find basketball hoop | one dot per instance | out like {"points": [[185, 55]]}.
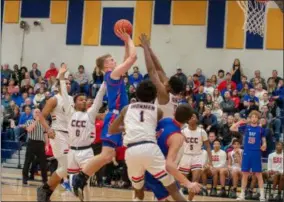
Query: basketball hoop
{"points": [[255, 12]]}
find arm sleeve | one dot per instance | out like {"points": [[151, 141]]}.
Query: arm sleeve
{"points": [[69, 109], [97, 104]]}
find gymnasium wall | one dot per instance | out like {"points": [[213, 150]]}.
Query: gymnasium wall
{"points": [[185, 34]]}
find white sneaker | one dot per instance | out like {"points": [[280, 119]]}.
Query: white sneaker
{"points": [[262, 199], [241, 197]]}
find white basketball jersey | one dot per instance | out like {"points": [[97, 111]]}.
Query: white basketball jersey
{"points": [[275, 162], [236, 158], [140, 123], [59, 119], [80, 129], [169, 108], [219, 159], [194, 140]]}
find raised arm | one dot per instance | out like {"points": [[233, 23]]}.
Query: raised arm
{"points": [[116, 126], [163, 96], [69, 109], [129, 61], [97, 104]]}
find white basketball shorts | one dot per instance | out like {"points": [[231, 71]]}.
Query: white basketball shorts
{"points": [[146, 157], [190, 162], [77, 159], [59, 144]]}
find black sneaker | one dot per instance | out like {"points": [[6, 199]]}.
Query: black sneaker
{"points": [[78, 183], [277, 198], [31, 178], [25, 181], [233, 194], [222, 193], [204, 191], [256, 196], [213, 192], [248, 195], [43, 194]]}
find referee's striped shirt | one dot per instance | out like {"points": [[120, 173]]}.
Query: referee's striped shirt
{"points": [[37, 133]]}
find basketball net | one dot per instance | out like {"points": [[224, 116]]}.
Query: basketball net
{"points": [[255, 12]]}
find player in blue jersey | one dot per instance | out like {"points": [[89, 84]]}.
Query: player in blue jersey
{"points": [[254, 143], [117, 100], [170, 141]]}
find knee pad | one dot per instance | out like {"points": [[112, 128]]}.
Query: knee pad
{"points": [[167, 180]]}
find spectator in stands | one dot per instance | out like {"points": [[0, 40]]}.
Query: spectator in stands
{"points": [[138, 76], [227, 105], [241, 84], [209, 101], [217, 96], [271, 86], [196, 83], [179, 74], [227, 89], [236, 71], [278, 96], [6, 72], [75, 87], [24, 117], [39, 97], [35, 73], [12, 87], [201, 77], [235, 98], [40, 83], [264, 100], [200, 96], [244, 91], [200, 109], [17, 76], [214, 81], [275, 77], [82, 79], [250, 97], [134, 79], [225, 135], [258, 79], [209, 89], [217, 111], [52, 71], [228, 80], [98, 78], [209, 120], [4, 82], [5, 102], [221, 75], [259, 91], [27, 80]]}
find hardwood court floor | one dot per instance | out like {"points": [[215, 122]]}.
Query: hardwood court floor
{"points": [[13, 190]]}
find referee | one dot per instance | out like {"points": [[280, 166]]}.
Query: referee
{"points": [[37, 140]]}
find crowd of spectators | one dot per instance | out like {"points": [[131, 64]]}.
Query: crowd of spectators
{"points": [[220, 100]]}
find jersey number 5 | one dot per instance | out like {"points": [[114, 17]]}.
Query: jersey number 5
{"points": [[142, 116]]}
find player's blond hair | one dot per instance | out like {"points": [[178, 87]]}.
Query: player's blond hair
{"points": [[256, 113], [100, 61]]}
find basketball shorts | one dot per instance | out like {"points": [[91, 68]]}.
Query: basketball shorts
{"points": [[59, 144], [190, 162], [252, 161], [160, 192], [77, 159], [110, 140], [146, 157]]}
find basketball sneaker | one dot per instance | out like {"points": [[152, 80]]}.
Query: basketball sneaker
{"points": [[44, 193], [78, 183]]}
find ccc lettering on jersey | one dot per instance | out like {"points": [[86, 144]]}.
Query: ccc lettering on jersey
{"points": [[277, 160], [215, 158], [191, 140], [78, 124]]}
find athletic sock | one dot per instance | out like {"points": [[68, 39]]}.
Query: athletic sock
{"points": [[261, 191]]}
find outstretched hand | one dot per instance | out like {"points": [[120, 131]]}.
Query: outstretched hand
{"points": [[123, 35], [145, 42], [63, 69], [194, 187]]}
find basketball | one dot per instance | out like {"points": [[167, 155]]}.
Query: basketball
{"points": [[123, 24]]}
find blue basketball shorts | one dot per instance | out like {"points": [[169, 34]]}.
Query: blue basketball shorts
{"points": [[252, 161]]}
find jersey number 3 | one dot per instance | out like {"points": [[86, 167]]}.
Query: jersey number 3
{"points": [[142, 116]]}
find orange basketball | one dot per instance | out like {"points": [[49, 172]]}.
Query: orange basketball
{"points": [[123, 24]]}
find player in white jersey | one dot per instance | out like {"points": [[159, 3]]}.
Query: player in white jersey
{"points": [[55, 107], [81, 124], [234, 166], [275, 172], [168, 89], [195, 138], [143, 154]]}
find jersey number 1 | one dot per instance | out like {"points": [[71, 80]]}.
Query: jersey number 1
{"points": [[142, 116]]}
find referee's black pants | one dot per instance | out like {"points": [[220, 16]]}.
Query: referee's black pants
{"points": [[35, 148]]}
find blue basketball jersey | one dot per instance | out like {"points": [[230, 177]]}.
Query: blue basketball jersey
{"points": [[166, 128], [252, 137], [116, 91]]}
